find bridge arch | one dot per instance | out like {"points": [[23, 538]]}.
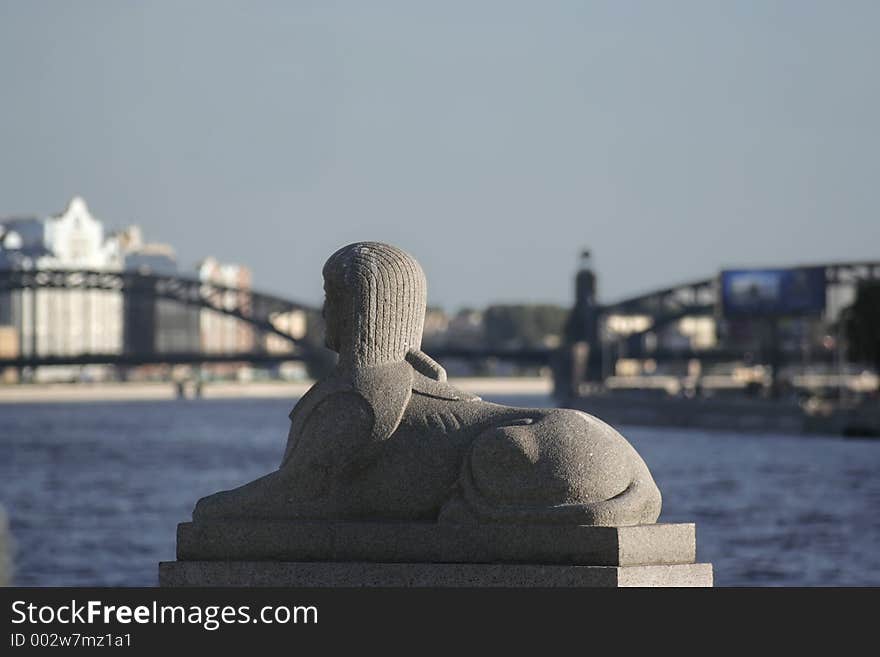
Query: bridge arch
{"points": [[256, 308]]}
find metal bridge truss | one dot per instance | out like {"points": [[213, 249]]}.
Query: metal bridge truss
{"points": [[260, 310], [696, 298], [701, 298]]}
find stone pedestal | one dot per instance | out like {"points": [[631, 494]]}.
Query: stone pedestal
{"points": [[428, 555], [360, 574]]}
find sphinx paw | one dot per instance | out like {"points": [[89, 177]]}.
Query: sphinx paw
{"points": [[262, 498]]}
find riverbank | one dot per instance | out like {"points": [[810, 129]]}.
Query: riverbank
{"points": [[134, 391]]}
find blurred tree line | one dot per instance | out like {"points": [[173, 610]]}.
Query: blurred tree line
{"points": [[502, 325], [524, 325]]}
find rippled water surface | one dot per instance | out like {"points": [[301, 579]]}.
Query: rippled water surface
{"points": [[94, 491]]}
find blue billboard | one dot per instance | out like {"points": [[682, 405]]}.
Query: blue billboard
{"points": [[773, 292]]}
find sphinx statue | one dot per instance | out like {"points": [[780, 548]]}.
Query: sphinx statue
{"points": [[384, 436]]}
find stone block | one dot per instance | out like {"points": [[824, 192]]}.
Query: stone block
{"points": [[245, 541], [432, 575]]}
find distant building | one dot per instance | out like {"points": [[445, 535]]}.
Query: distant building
{"points": [[154, 325], [221, 333], [436, 327], [47, 322], [68, 322], [294, 323], [21, 245], [8, 349], [61, 322]]}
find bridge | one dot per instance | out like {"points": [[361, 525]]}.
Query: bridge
{"points": [[257, 309], [701, 298], [262, 311]]}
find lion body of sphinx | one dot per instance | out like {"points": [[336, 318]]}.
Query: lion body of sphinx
{"points": [[394, 445]]}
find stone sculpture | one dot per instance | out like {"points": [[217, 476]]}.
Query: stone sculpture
{"points": [[384, 437]]}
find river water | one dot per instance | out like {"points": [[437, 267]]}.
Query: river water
{"points": [[94, 491]]}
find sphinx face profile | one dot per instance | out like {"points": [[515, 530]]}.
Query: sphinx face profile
{"points": [[330, 313]]}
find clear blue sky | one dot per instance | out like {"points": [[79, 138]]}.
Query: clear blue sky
{"points": [[491, 139]]}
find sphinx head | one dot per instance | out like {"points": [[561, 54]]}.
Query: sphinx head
{"points": [[374, 305]]}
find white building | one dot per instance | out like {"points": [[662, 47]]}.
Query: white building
{"points": [[223, 333], [62, 322]]}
